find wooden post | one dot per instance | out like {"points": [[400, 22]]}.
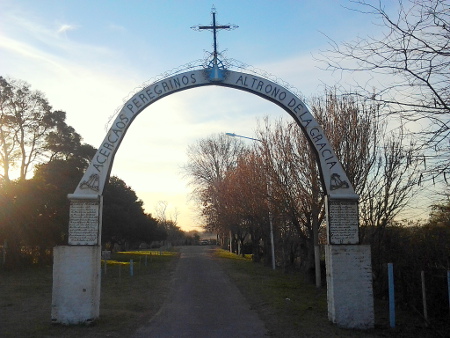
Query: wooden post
{"points": [[391, 295], [424, 297], [448, 287], [5, 244]]}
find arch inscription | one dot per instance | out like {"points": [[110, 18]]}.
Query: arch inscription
{"points": [[334, 179]]}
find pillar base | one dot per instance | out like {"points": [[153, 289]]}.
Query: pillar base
{"points": [[349, 286], [76, 284]]}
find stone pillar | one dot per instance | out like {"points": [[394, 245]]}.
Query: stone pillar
{"points": [[77, 266], [349, 286], [76, 284], [349, 267]]}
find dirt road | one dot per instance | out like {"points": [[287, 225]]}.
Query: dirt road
{"points": [[203, 302]]}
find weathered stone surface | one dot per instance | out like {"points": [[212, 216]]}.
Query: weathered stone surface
{"points": [[76, 284], [349, 282]]}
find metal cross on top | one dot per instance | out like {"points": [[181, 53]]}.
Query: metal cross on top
{"points": [[214, 27]]}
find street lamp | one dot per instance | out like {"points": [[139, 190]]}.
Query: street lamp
{"points": [[236, 135], [269, 196]]}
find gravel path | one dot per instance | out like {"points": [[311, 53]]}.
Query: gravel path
{"points": [[203, 302]]}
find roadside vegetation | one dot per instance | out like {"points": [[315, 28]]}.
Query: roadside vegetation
{"points": [[289, 305], [42, 159], [293, 307], [127, 302]]}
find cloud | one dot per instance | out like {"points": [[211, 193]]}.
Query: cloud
{"points": [[64, 28]]}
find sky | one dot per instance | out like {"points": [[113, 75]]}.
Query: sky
{"points": [[87, 57]]}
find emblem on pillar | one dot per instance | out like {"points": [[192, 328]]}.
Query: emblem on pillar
{"points": [[91, 183], [337, 183]]}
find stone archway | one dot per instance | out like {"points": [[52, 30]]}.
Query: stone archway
{"points": [[76, 287]]}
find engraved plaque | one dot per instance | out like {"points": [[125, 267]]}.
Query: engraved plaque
{"points": [[343, 225], [84, 222]]}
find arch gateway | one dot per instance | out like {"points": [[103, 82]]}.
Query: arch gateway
{"points": [[76, 266], [77, 269]]}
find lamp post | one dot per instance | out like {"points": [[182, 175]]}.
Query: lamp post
{"points": [[269, 195]]}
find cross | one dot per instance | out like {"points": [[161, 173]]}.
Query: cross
{"points": [[214, 28]]}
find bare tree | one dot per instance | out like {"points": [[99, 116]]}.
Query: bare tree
{"points": [[354, 128], [8, 151], [382, 167], [208, 161], [244, 203], [296, 195], [410, 62], [211, 157], [26, 121], [393, 181], [161, 211], [175, 235]]}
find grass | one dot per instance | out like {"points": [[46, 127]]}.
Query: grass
{"points": [[126, 302], [288, 306], [291, 307]]}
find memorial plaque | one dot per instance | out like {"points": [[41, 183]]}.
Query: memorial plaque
{"points": [[84, 222], [343, 224]]}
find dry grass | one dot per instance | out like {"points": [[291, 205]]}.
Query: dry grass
{"points": [[126, 302], [289, 307], [292, 308]]}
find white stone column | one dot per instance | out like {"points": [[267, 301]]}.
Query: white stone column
{"points": [[76, 284], [349, 286], [349, 267], [77, 266]]}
